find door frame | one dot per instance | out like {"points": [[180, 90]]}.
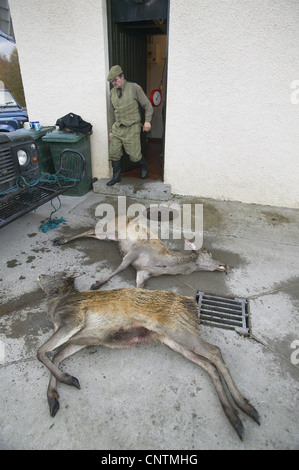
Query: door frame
{"points": [[114, 57]]}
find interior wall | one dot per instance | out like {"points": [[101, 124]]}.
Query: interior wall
{"points": [[231, 125], [156, 49], [63, 55]]}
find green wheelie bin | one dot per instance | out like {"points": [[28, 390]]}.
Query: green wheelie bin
{"points": [[59, 141]]}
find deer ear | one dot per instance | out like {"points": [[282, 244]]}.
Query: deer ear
{"points": [[189, 245], [74, 275]]}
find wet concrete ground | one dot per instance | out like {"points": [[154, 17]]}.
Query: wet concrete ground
{"points": [[149, 397]]}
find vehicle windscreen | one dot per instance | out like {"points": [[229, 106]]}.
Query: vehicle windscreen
{"points": [[7, 100]]}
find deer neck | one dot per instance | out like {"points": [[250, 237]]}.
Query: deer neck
{"points": [[178, 263]]}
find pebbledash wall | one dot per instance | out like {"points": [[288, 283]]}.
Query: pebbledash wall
{"points": [[63, 56], [232, 93], [232, 121]]}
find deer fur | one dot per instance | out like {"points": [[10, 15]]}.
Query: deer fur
{"points": [[142, 249], [125, 317]]}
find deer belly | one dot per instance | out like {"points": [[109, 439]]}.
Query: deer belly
{"points": [[126, 338]]}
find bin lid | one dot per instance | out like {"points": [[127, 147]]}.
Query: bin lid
{"points": [[36, 134], [65, 137]]}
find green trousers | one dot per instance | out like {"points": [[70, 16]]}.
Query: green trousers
{"points": [[127, 138]]}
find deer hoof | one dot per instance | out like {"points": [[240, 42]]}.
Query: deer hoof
{"points": [[54, 407], [75, 383], [240, 430], [96, 286], [70, 380], [255, 416], [58, 241]]}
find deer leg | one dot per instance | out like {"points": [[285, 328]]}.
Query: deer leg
{"points": [[52, 393], [213, 354], [141, 277], [62, 335], [62, 240], [127, 260], [211, 369], [238, 398]]}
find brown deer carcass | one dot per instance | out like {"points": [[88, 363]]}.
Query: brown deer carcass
{"points": [[142, 249], [125, 317]]}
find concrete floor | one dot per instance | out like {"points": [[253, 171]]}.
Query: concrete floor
{"points": [[149, 397]]}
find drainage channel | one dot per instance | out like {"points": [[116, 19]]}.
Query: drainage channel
{"points": [[224, 312]]}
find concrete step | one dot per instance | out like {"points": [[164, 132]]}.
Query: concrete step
{"points": [[134, 187]]}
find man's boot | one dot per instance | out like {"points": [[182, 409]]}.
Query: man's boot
{"points": [[143, 164], [116, 173]]}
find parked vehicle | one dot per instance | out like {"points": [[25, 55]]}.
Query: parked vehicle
{"points": [[12, 114], [23, 187]]}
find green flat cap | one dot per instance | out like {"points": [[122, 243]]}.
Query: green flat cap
{"points": [[114, 72]]}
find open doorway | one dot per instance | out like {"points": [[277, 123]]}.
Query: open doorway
{"points": [[137, 38]]}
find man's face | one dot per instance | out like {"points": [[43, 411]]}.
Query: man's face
{"points": [[119, 81]]}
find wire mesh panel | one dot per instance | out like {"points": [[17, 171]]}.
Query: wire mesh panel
{"points": [[72, 167]]}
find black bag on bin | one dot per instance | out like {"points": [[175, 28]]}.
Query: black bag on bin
{"points": [[74, 123]]}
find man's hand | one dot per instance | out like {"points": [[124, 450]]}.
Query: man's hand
{"points": [[109, 136], [147, 126]]}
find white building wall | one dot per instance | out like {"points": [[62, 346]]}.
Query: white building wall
{"points": [[63, 55], [232, 129]]}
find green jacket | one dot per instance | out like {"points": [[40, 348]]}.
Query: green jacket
{"points": [[125, 110]]}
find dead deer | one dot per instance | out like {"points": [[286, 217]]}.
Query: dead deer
{"points": [[125, 317], [142, 249]]}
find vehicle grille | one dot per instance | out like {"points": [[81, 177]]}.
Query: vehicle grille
{"points": [[7, 167]]}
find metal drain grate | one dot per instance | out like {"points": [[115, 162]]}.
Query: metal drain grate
{"points": [[224, 312]]}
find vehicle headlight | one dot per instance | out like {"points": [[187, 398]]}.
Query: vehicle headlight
{"points": [[22, 157]]}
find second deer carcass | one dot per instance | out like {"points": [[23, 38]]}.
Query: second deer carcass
{"points": [[149, 255], [125, 317]]}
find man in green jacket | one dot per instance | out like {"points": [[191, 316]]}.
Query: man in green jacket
{"points": [[124, 121]]}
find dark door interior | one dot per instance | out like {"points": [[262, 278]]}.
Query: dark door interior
{"points": [[130, 22]]}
